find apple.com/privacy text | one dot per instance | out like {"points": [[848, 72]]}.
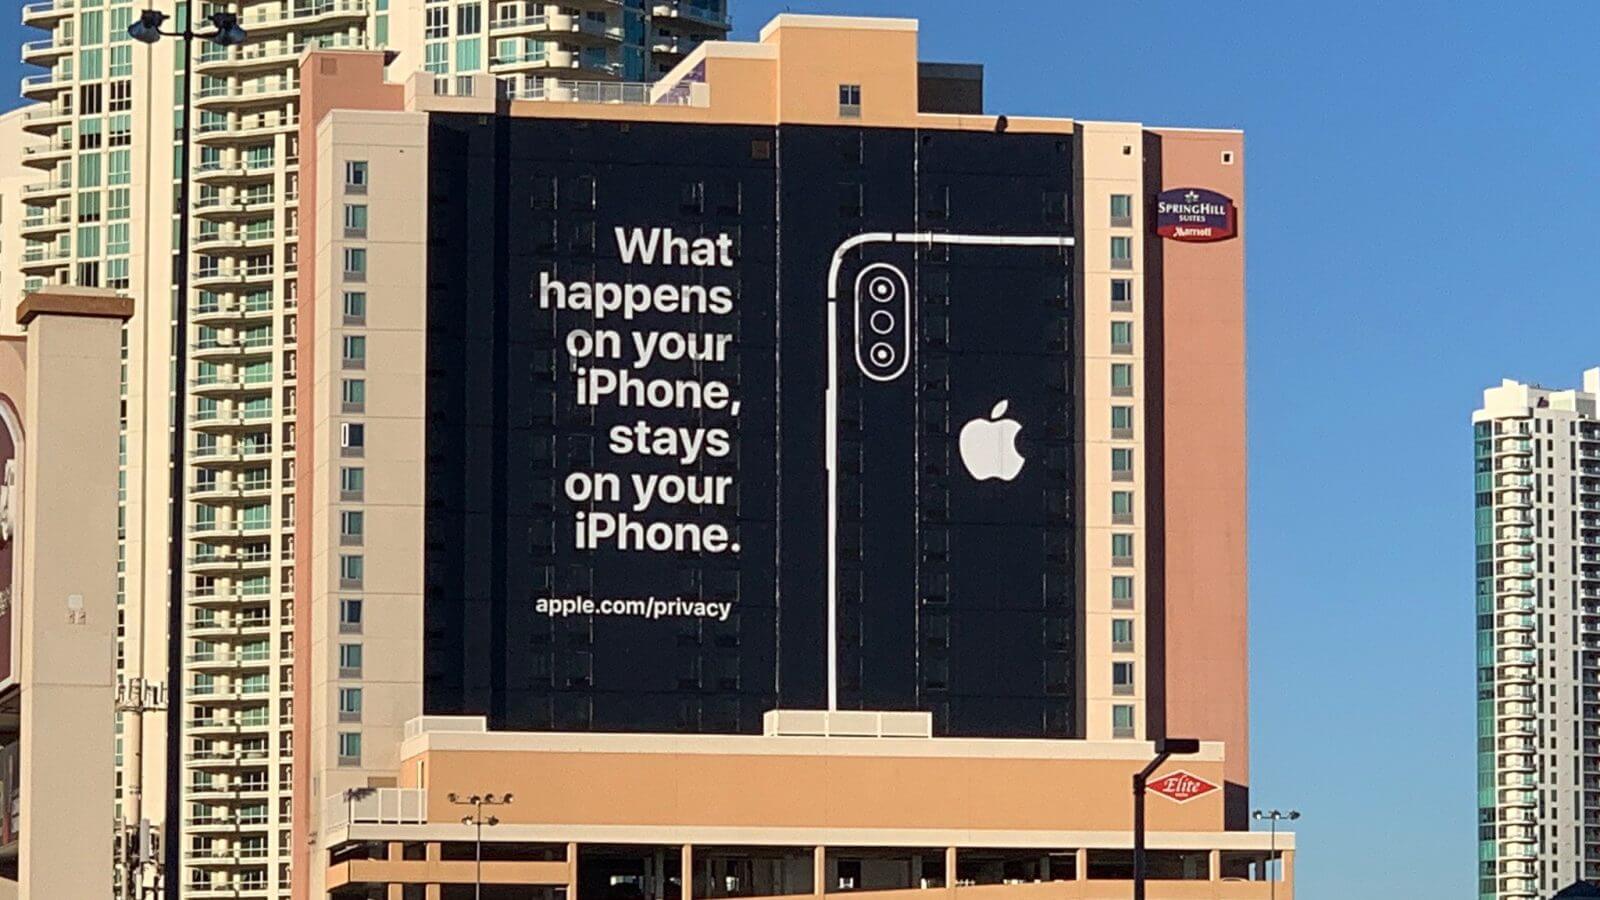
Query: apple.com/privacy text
{"points": [[646, 608]]}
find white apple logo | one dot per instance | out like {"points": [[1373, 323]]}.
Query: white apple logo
{"points": [[989, 446]]}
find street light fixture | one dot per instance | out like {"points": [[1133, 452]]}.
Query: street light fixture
{"points": [[1165, 749], [1274, 816], [225, 32], [477, 819]]}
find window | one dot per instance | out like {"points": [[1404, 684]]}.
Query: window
{"points": [[1122, 635], [1121, 337], [437, 24], [1121, 210], [1122, 678], [850, 101], [349, 748], [1122, 507], [1122, 549], [1122, 253], [352, 439], [1121, 463], [1122, 592], [349, 616], [352, 526], [352, 483], [469, 55], [355, 351], [1121, 380], [1121, 295], [349, 660], [355, 264], [352, 569], [355, 177], [1121, 422], [355, 307], [355, 220], [350, 704], [1122, 721], [354, 395]]}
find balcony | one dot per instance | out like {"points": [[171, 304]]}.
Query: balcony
{"points": [[241, 206], [228, 662], [231, 856], [245, 130], [269, 90], [222, 385], [235, 276], [695, 15], [236, 351], [46, 52], [219, 758], [46, 119], [45, 224], [303, 15], [576, 30], [45, 86], [234, 564], [47, 155], [555, 61], [47, 192], [47, 13], [44, 259], [229, 532], [253, 55], [231, 313], [254, 626], [219, 172], [214, 597]]}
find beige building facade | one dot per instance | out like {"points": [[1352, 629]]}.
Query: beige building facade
{"points": [[58, 397]]}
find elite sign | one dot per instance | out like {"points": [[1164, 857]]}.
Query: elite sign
{"points": [[1181, 787], [1195, 215]]}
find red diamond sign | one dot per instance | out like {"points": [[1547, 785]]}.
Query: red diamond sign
{"points": [[1181, 787]]}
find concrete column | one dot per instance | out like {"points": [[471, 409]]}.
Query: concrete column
{"points": [[572, 871], [950, 872], [1082, 864], [64, 531], [819, 871], [686, 871]]}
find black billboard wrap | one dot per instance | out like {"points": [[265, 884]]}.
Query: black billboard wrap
{"points": [[700, 397]]}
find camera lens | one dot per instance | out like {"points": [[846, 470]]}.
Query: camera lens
{"points": [[881, 322], [882, 354], [881, 289]]}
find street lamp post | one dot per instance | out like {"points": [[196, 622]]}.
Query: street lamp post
{"points": [[225, 32], [1165, 749], [478, 820], [1273, 816]]}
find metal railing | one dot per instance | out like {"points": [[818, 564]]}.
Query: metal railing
{"points": [[627, 93]]}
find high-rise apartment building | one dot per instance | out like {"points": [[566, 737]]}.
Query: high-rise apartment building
{"points": [[101, 139], [1537, 517]]}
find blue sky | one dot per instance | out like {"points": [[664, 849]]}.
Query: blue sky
{"points": [[1415, 171]]}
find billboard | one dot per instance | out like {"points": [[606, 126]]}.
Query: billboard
{"points": [[710, 436]]}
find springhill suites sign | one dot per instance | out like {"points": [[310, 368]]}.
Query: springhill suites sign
{"points": [[1195, 215]]}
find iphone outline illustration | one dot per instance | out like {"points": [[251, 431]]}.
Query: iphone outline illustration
{"points": [[878, 371]]}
